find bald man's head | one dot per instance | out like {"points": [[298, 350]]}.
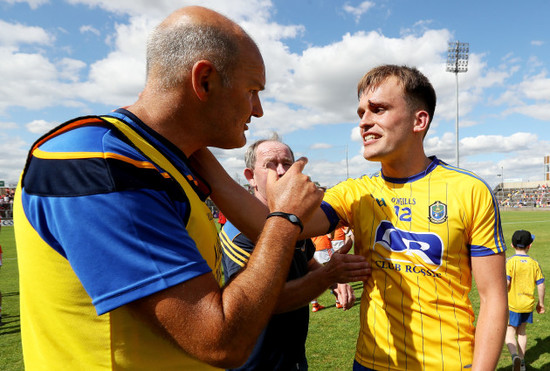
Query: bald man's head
{"points": [[191, 34]]}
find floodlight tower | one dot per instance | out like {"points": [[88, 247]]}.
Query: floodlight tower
{"points": [[457, 61]]}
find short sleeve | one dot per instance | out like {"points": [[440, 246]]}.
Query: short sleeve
{"points": [[486, 237], [122, 245]]}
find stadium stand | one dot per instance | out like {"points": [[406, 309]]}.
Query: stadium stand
{"points": [[523, 194], [6, 205]]}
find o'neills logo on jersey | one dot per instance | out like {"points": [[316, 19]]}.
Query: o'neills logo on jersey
{"points": [[438, 212]]}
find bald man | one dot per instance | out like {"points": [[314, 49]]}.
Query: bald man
{"points": [[118, 254]]}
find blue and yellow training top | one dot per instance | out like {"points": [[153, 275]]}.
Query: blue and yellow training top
{"points": [[107, 212]]}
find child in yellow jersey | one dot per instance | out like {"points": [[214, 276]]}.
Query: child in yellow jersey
{"points": [[523, 273]]}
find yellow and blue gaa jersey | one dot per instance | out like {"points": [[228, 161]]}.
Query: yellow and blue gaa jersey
{"points": [[106, 212], [418, 234], [524, 274]]}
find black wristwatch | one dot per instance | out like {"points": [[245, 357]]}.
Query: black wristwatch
{"points": [[290, 217]]}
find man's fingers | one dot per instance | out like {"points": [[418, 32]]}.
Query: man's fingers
{"points": [[300, 164], [345, 249], [350, 268], [297, 167], [350, 258], [272, 176]]}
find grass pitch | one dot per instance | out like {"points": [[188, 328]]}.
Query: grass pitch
{"points": [[332, 333]]}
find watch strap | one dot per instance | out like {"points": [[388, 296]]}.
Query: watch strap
{"points": [[290, 217]]}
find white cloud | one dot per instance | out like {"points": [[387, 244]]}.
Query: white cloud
{"points": [[8, 125], [443, 147], [302, 91], [536, 87], [320, 146], [313, 88], [530, 97], [537, 42], [536, 111], [40, 126], [355, 134], [358, 11], [13, 153], [329, 173], [33, 4], [498, 143], [12, 34], [521, 155], [117, 79], [328, 89], [89, 28], [41, 87], [69, 69], [418, 28], [235, 9]]}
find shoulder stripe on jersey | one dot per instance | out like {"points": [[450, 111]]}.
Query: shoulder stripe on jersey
{"points": [[498, 233], [67, 126], [87, 176], [82, 155], [234, 252], [199, 187]]}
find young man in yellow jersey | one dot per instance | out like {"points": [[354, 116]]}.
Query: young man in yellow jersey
{"points": [[426, 227]]}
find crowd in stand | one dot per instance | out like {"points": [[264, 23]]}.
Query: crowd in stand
{"points": [[6, 202], [524, 197]]}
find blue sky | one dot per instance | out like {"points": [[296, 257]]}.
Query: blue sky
{"points": [[62, 59]]}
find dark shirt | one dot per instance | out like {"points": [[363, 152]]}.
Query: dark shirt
{"points": [[281, 345]]}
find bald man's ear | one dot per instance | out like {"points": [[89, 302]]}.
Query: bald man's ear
{"points": [[202, 74]]}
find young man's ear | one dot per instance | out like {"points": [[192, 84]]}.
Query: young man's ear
{"points": [[202, 74], [422, 121]]}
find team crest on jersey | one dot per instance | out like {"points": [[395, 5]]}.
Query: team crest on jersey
{"points": [[438, 212]]}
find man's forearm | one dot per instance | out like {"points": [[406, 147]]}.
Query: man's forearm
{"points": [[229, 196], [299, 292], [341, 268], [489, 337], [490, 277], [221, 326]]}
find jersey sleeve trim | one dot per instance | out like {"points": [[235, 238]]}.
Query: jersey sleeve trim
{"points": [[481, 251], [331, 215], [233, 251]]}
